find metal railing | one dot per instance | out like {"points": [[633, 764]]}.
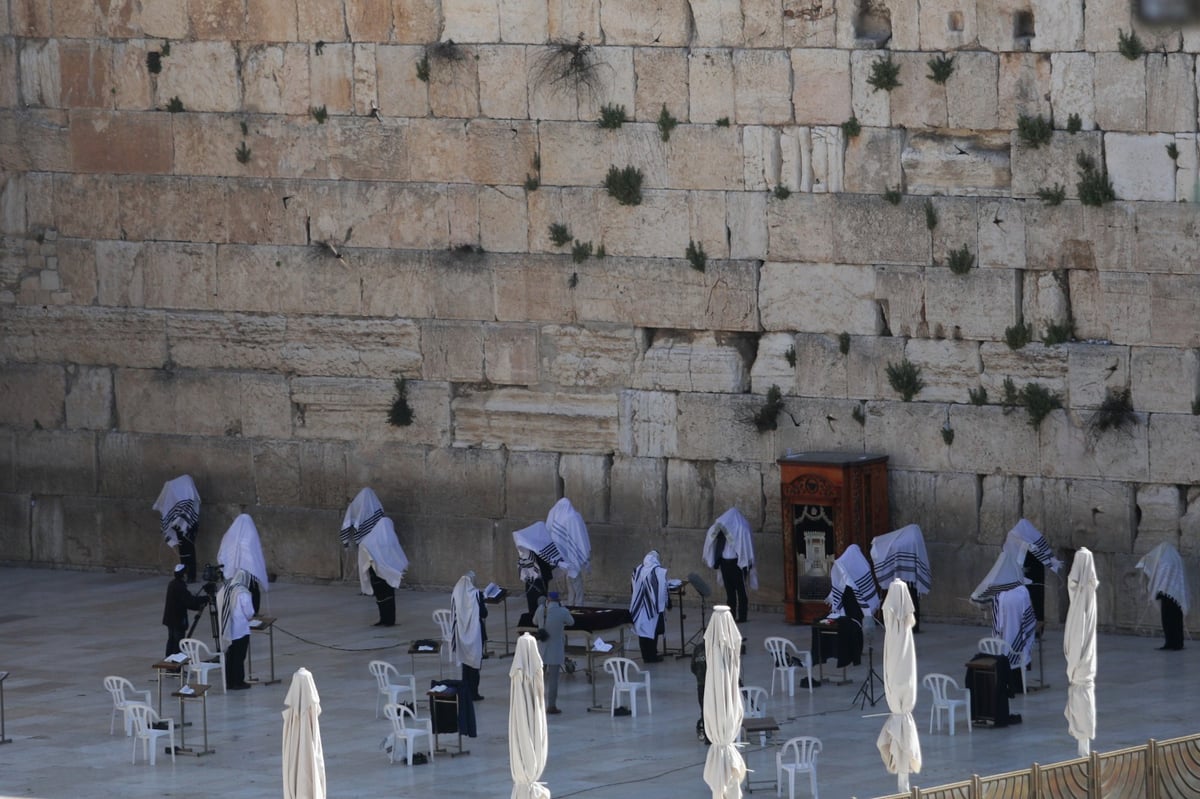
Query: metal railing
{"points": [[1156, 770]]}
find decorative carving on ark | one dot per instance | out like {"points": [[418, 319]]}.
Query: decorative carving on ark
{"points": [[809, 486]]}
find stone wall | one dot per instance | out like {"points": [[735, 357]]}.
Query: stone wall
{"points": [[351, 191]]}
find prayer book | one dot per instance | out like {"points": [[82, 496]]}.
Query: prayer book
{"points": [[178, 657], [491, 591], [599, 645]]}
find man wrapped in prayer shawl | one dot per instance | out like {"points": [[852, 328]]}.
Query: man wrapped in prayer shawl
{"points": [[901, 555], [1014, 621], [242, 549], [361, 516], [179, 505], [381, 567], [1031, 551], [537, 555], [729, 548], [649, 601], [236, 609], [468, 613], [1167, 583], [570, 535]]}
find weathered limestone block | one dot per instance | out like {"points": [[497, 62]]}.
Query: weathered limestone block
{"points": [[337, 346], [1187, 174], [1102, 22], [678, 361], [510, 354], [524, 21], [762, 157], [873, 161], [899, 231], [36, 140], [1072, 76], [710, 85], [203, 75], [152, 18], [85, 77], [1044, 301], [1164, 380], [809, 24], [704, 157], [972, 100], [503, 224], [690, 493], [1112, 306], [900, 297], [817, 424], [762, 24], [998, 28], [1032, 363], [174, 209], [818, 298], [366, 83], [40, 73], [1139, 166], [1024, 87], [649, 424], [973, 165], [331, 78], [615, 83], [501, 97], [762, 87], [948, 25], [531, 484], [275, 79], [638, 492], [979, 305], [102, 141], [1120, 92], [264, 211], [526, 420], [356, 409], [217, 19], [821, 86], [716, 23], [246, 341], [739, 485], [917, 102], [1189, 524], [32, 395], [266, 21], [999, 503], [662, 23], [10, 85], [719, 426], [452, 350], [15, 524], [746, 220], [821, 368], [84, 206], [214, 404], [1174, 306], [660, 74], [706, 222], [1098, 514], [177, 275], [1160, 509], [1094, 371], [1174, 457], [1052, 163], [1166, 238], [587, 356], [77, 271], [53, 462], [1058, 25], [871, 106], [949, 368], [414, 21], [585, 480], [866, 366], [96, 336], [471, 21], [655, 229], [1001, 234], [283, 280], [947, 507], [910, 432], [470, 483], [573, 154], [1073, 449], [771, 365], [401, 92], [454, 82], [989, 440]]}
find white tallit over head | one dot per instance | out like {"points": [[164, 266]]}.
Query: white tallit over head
{"points": [[535, 540], [1014, 621], [1025, 537], [241, 549], [570, 535], [852, 569], [179, 505], [467, 643], [649, 597], [1006, 574], [901, 555], [364, 512], [1164, 574], [228, 598], [380, 549], [738, 536]]}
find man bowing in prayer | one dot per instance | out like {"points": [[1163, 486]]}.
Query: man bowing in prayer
{"points": [[381, 567], [236, 609], [648, 603], [729, 548], [468, 612]]}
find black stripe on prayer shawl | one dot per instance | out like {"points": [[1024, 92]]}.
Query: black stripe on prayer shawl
{"points": [[864, 589], [360, 532], [1024, 635], [645, 604], [1041, 550], [905, 565], [550, 554], [185, 510], [998, 588]]}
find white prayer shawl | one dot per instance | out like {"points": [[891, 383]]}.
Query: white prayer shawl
{"points": [[467, 643], [737, 536], [241, 549], [901, 555], [234, 597], [179, 505], [852, 569], [535, 540], [570, 535], [1025, 537], [380, 549], [364, 512], [1079, 647], [649, 598], [1164, 575], [1013, 620], [1005, 575]]}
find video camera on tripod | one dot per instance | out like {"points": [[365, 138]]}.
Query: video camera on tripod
{"points": [[212, 576]]}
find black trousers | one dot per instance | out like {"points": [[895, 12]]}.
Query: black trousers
{"points": [[735, 587], [1172, 622], [470, 679], [235, 661], [385, 599], [174, 636], [187, 556], [649, 646]]}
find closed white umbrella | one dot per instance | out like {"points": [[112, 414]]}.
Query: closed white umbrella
{"points": [[724, 768], [898, 743], [1079, 645], [527, 738], [303, 757]]}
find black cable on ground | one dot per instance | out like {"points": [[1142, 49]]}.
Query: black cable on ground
{"points": [[341, 648]]}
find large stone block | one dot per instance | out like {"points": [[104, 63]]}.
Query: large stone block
{"points": [[809, 24], [1052, 163], [267, 21], [946, 507], [401, 92], [36, 140], [662, 23], [979, 305], [357, 409], [971, 164], [660, 72], [821, 86], [917, 102], [972, 101], [530, 485], [284, 280], [1112, 306], [452, 350], [949, 368], [40, 74], [583, 356], [95, 336], [86, 206], [706, 223], [32, 395], [871, 106], [454, 82], [103, 141], [638, 492], [899, 231], [174, 209], [15, 527], [999, 506], [866, 366], [1072, 77], [679, 361], [1163, 380], [1120, 92], [762, 24], [1032, 363], [1023, 87], [85, 78], [1159, 509], [771, 364], [762, 87], [204, 75], [900, 297], [1174, 457], [202, 403], [746, 221], [500, 97], [510, 354], [1098, 514], [739, 485], [331, 78], [1139, 166], [275, 79], [54, 462], [818, 298], [817, 425], [948, 25], [704, 157], [585, 480], [10, 85], [716, 24], [873, 161], [1001, 234], [138, 465], [529, 420], [910, 432], [1174, 306], [89, 398], [720, 426], [1074, 448], [1103, 20], [415, 22], [649, 424], [689, 494], [1165, 238], [1059, 26], [1094, 371]]}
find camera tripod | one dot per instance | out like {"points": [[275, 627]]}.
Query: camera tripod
{"points": [[214, 622], [868, 691]]}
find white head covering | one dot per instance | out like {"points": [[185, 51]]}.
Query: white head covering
{"points": [[901, 555], [361, 516], [1015, 623], [228, 598], [241, 549], [1164, 574], [852, 569], [380, 549], [1006, 574], [570, 535], [649, 598], [1025, 537], [468, 634], [179, 505], [738, 536]]}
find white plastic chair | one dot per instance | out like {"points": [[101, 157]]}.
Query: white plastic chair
{"points": [[123, 695], [407, 727], [942, 686], [1000, 648], [754, 706], [144, 718], [391, 683], [783, 652], [202, 660], [444, 618], [797, 756], [627, 679]]}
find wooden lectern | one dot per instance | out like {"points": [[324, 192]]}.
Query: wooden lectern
{"points": [[830, 500]]}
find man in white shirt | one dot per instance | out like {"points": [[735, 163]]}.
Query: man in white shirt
{"points": [[236, 609]]}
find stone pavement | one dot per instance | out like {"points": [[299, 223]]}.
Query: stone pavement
{"points": [[61, 632]]}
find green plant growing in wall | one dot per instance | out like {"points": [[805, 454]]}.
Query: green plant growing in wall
{"points": [[1196, 407], [624, 184], [1012, 397], [905, 379], [947, 434], [1114, 413], [612, 117], [931, 215], [1018, 336], [696, 256], [175, 105], [1039, 401], [893, 196], [844, 343], [165, 49], [1172, 152], [977, 396], [1052, 196], [790, 356], [244, 127], [568, 66], [851, 127], [532, 183], [1033, 132], [781, 192], [884, 74], [1059, 332], [723, 122], [242, 153], [581, 251], [941, 67], [600, 251], [423, 68], [666, 123], [1074, 124], [1129, 45], [318, 113], [319, 47], [560, 234], [859, 415], [960, 261], [401, 413], [1094, 187], [447, 51], [767, 417], [573, 280]]}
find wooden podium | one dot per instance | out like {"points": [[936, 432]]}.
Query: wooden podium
{"points": [[839, 497]]}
